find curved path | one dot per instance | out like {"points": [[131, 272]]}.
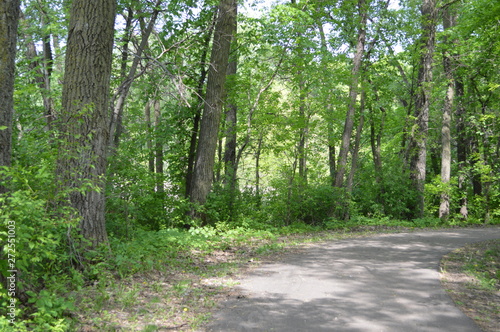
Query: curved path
{"points": [[386, 282]]}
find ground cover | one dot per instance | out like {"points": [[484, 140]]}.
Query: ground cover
{"points": [[471, 276]]}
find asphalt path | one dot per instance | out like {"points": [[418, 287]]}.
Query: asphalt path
{"points": [[386, 282]]}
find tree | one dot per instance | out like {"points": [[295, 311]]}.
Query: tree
{"points": [[353, 95], [449, 20], [209, 126], [115, 129], [417, 153], [9, 20], [84, 120]]}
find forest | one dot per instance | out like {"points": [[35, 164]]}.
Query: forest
{"points": [[134, 130]]}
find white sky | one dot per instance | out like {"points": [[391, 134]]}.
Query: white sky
{"points": [[255, 8]]}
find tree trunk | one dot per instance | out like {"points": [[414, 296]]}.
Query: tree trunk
{"points": [[197, 116], [230, 166], [115, 123], [418, 140], [84, 119], [460, 116], [331, 154], [47, 68], [209, 126], [303, 133], [329, 109], [444, 207], [158, 148], [355, 152], [257, 169], [9, 20], [149, 141], [353, 95], [40, 80], [375, 143]]}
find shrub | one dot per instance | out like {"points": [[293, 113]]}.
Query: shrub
{"points": [[37, 240]]}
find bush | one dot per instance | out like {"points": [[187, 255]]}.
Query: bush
{"points": [[37, 241]]}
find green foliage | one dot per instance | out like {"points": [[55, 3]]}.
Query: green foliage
{"points": [[291, 80], [42, 258], [484, 266], [393, 197]]}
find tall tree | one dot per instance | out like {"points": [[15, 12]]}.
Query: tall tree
{"points": [[353, 94], [417, 147], [209, 126], [121, 95], [199, 105], [230, 166], [449, 20], [84, 119], [9, 20]]}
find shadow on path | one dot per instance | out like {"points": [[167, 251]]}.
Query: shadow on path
{"points": [[382, 283]]}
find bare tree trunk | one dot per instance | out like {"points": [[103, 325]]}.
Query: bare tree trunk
{"points": [[210, 121], [84, 119], [9, 14], [149, 142], [303, 133], [331, 154], [375, 143], [158, 148], [43, 70], [121, 95], [47, 68], [257, 169], [329, 109], [197, 116], [40, 79], [230, 166], [444, 207], [460, 115], [353, 95], [418, 140], [355, 152]]}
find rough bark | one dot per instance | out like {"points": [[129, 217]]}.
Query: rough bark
{"points": [[230, 165], [417, 153], [84, 119], [210, 121], [353, 95], [197, 116], [9, 20]]}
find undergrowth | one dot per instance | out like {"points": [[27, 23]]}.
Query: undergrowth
{"points": [[178, 270]]}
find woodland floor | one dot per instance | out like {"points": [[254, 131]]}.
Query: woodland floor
{"points": [[183, 297], [480, 303]]}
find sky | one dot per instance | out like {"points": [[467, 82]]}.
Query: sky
{"points": [[255, 8]]}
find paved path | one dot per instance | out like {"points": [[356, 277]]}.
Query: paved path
{"points": [[381, 283]]}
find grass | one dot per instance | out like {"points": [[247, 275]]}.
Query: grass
{"points": [[471, 275], [176, 283], [173, 279]]}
